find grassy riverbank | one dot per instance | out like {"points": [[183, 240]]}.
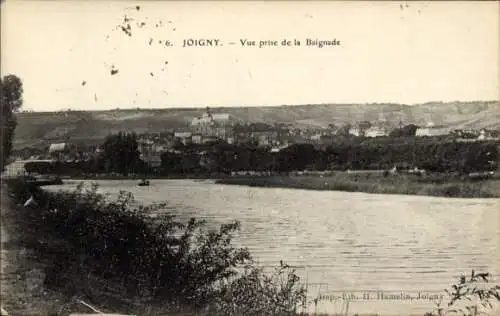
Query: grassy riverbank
{"points": [[114, 255], [439, 185]]}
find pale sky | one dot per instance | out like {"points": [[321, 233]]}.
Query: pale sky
{"points": [[388, 52]]}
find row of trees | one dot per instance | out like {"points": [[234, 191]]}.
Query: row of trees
{"points": [[402, 131], [120, 155], [11, 100], [429, 155]]}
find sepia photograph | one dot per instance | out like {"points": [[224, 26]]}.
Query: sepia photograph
{"points": [[248, 158]]}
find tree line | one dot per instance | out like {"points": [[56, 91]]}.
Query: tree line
{"points": [[121, 155], [11, 100]]}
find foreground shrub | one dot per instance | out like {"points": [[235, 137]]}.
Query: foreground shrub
{"points": [[117, 250], [255, 293], [470, 296]]}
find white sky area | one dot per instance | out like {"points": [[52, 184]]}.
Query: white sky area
{"points": [[389, 52]]}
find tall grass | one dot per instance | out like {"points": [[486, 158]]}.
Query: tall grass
{"points": [[445, 186], [469, 296]]}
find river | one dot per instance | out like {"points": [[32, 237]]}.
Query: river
{"points": [[353, 245]]}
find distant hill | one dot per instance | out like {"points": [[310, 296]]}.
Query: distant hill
{"points": [[42, 128]]}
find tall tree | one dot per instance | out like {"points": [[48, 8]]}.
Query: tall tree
{"points": [[344, 130], [11, 89], [121, 153], [405, 131]]}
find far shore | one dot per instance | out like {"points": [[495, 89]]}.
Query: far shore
{"points": [[393, 184], [150, 177], [429, 185]]}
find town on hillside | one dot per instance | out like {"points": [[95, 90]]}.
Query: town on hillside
{"points": [[211, 128]]}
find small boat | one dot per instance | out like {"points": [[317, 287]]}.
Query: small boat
{"points": [[143, 183]]}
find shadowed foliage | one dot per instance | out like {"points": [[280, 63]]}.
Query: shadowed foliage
{"points": [[11, 89], [115, 251], [470, 296]]}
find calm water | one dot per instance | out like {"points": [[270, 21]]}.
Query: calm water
{"points": [[352, 244]]}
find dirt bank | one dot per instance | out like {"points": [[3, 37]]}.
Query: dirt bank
{"points": [[21, 275]]}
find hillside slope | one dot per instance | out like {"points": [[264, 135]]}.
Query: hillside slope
{"points": [[41, 128]]}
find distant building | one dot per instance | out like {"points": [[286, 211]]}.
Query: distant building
{"points": [[209, 139], [197, 139], [322, 139], [144, 146], [17, 168], [277, 149], [316, 138], [242, 138], [200, 139], [159, 148], [208, 118], [465, 133], [354, 131], [152, 160], [61, 151], [265, 138], [376, 131], [432, 131], [183, 134], [293, 139], [486, 134], [59, 148], [483, 136], [218, 125], [28, 153], [183, 137], [147, 146]]}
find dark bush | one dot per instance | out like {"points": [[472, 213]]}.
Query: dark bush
{"points": [[469, 296], [95, 247]]}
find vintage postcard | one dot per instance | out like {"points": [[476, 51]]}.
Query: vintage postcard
{"points": [[250, 158]]}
